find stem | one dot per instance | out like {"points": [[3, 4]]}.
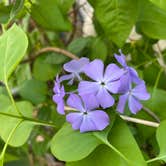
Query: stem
{"points": [[51, 49], [118, 152], [140, 121], [35, 121], [152, 114], [126, 118], [7, 141], [12, 100], [155, 159]]}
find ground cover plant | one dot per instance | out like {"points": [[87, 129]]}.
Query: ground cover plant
{"points": [[82, 82]]}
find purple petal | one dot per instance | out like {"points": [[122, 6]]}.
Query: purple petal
{"points": [[121, 59], [66, 77], [134, 104], [94, 70], [104, 98], [60, 107], [60, 104], [124, 83], [140, 92], [113, 72], [113, 86], [74, 101], [122, 103], [134, 75], [87, 124], [87, 87], [76, 66], [75, 119], [99, 118], [90, 101]]}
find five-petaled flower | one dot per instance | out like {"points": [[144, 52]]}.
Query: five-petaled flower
{"points": [[104, 82], [87, 118], [133, 96], [98, 91]]}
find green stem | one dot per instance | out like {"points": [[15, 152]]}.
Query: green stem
{"points": [[157, 80], [156, 158], [7, 141], [35, 121], [12, 100], [118, 152]]}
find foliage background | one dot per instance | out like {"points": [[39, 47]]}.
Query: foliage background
{"points": [[34, 51]]}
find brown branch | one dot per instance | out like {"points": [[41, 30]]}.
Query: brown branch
{"points": [[51, 49]]}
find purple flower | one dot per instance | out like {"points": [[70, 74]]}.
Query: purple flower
{"points": [[129, 76], [133, 96], [104, 82], [74, 67], [87, 118], [58, 96]]}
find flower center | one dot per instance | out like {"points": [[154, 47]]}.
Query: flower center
{"points": [[102, 83], [85, 113]]}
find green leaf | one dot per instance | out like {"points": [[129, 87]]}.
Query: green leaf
{"points": [[13, 45], [121, 138], [98, 49], [4, 13], [46, 66], [65, 5], [157, 103], [49, 15], [116, 18], [78, 45], [23, 131], [70, 145], [160, 3], [34, 91], [152, 20], [161, 137], [18, 6]]}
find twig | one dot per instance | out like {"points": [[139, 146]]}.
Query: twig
{"points": [[127, 118], [152, 114], [139, 121], [51, 49]]}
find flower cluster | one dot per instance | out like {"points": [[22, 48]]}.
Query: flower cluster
{"points": [[96, 93]]}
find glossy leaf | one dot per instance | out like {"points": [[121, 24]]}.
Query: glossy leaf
{"points": [[13, 45], [34, 91], [161, 137], [49, 15], [153, 22], [8, 122], [161, 3], [116, 18], [121, 137], [157, 103], [4, 13], [98, 49], [46, 66], [70, 145], [18, 6]]}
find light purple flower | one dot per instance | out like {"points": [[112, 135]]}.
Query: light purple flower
{"points": [[86, 118], [58, 96], [104, 82], [130, 75], [74, 67], [133, 96]]}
